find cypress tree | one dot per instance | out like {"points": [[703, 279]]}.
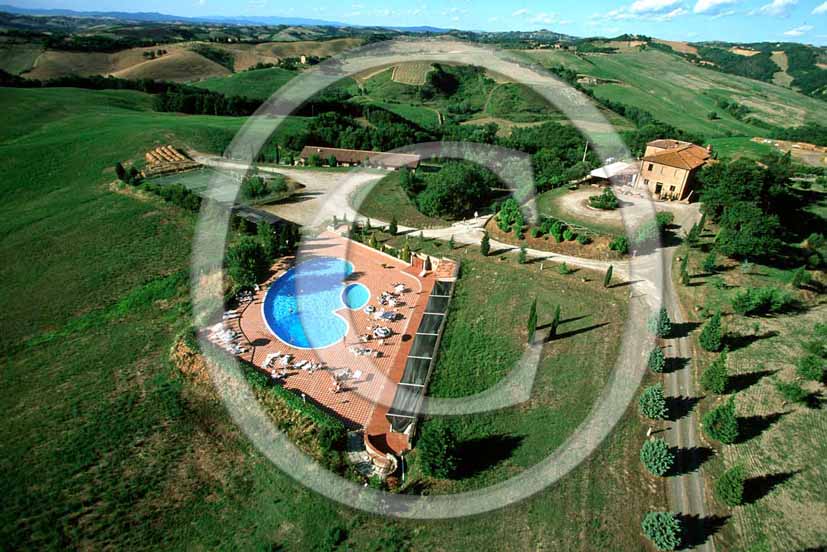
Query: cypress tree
{"points": [[485, 244], [715, 377], [721, 423], [521, 257], [555, 322], [659, 323], [532, 320], [393, 227], [711, 338], [607, 279]]}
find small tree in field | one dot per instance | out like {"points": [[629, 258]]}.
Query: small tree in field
{"points": [[607, 279], [656, 456], [485, 244], [652, 403], [659, 323], [710, 263], [532, 320], [663, 529], [721, 424], [555, 322], [791, 391], [657, 360], [715, 377], [801, 278], [521, 256], [712, 337], [393, 227], [120, 172], [729, 488], [405, 254], [451, 243], [811, 367], [437, 447]]}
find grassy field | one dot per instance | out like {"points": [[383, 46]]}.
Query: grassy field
{"points": [[18, 58], [425, 117], [740, 147], [548, 204], [105, 445], [682, 94], [257, 84], [784, 444], [484, 338], [387, 199]]}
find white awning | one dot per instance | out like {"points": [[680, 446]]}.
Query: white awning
{"points": [[614, 169]]}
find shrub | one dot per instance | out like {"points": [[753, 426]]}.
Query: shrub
{"points": [[711, 338], [811, 367], [652, 403], [568, 234], [247, 262], [801, 278], [536, 232], [659, 323], [657, 360], [606, 200], [729, 488], [710, 263], [721, 424], [656, 456], [715, 377], [663, 529], [620, 244], [791, 391], [521, 256], [583, 239], [564, 269], [753, 301], [436, 449]]}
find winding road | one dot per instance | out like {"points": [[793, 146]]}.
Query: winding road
{"points": [[329, 193]]}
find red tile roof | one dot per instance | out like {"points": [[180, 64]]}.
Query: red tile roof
{"points": [[682, 156]]}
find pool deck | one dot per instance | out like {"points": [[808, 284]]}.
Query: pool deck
{"points": [[362, 401]]}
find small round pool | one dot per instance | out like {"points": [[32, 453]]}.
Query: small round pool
{"points": [[300, 308], [355, 296]]}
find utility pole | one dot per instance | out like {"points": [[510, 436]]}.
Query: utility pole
{"points": [[585, 150]]}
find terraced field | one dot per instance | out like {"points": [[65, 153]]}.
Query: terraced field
{"points": [[411, 73]]}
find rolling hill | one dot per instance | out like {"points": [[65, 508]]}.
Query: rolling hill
{"points": [[180, 64], [684, 94]]}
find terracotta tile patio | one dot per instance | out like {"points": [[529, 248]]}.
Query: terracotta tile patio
{"points": [[358, 402]]}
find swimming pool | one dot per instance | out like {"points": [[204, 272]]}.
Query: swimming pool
{"points": [[300, 307]]}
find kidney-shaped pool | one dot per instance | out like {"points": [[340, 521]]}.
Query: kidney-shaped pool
{"points": [[300, 308]]}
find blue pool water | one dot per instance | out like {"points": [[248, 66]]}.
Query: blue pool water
{"points": [[355, 296], [300, 307]]}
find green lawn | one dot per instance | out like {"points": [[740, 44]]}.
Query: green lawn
{"points": [[682, 94], [386, 199], [548, 205], [106, 445], [258, 84], [740, 147], [425, 117], [485, 336]]}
